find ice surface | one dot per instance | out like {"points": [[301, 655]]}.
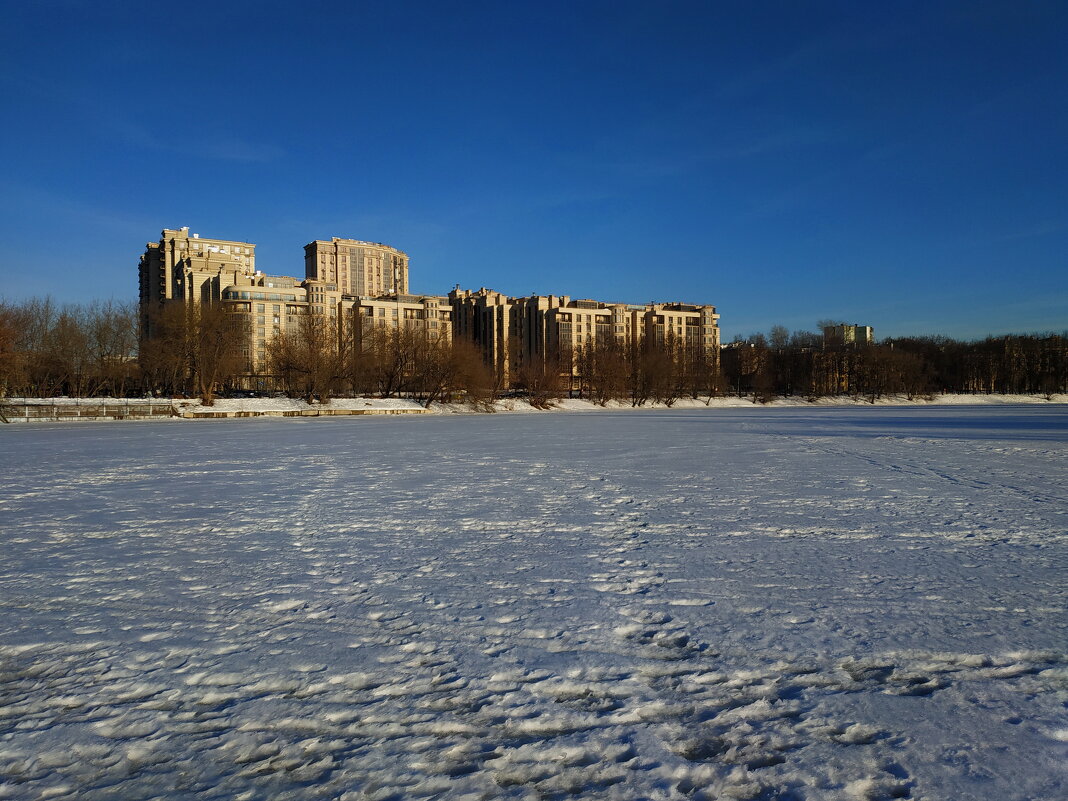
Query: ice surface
{"points": [[790, 603]]}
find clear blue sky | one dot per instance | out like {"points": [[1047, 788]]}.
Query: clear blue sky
{"points": [[900, 164]]}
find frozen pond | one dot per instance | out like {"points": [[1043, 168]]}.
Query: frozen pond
{"points": [[826, 603]]}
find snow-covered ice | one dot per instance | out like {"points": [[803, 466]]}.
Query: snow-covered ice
{"points": [[789, 603]]}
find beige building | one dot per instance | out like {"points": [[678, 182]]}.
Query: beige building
{"points": [[488, 319], [364, 287], [348, 280], [183, 266], [369, 269], [512, 332], [848, 335], [427, 314]]}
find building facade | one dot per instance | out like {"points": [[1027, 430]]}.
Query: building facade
{"points": [[368, 269], [363, 287], [513, 332], [848, 335], [185, 267]]}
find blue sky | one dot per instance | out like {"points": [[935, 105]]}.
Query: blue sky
{"points": [[903, 165]]}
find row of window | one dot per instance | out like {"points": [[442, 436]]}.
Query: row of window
{"points": [[231, 294]]}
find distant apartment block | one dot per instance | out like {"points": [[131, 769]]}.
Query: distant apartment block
{"points": [[365, 285], [512, 331], [848, 335]]}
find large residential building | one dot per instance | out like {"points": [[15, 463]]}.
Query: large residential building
{"points": [[512, 332], [360, 284], [368, 269], [182, 266], [364, 287]]}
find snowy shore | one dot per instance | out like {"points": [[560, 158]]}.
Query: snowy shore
{"points": [[252, 407]]}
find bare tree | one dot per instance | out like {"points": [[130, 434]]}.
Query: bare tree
{"points": [[12, 359], [479, 384], [435, 368], [778, 338], [216, 339], [313, 359], [543, 380], [113, 340], [164, 357], [64, 361], [603, 365], [390, 357]]}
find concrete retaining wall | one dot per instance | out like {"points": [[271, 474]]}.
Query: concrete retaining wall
{"points": [[61, 411], [66, 411], [205, 414]]}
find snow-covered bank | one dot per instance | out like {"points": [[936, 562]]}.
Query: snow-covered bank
{"points": [[50, 410], [98, 409], [733, 402], [815, 604], [576, 404]]}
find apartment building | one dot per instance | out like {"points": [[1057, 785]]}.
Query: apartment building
{"points": [[368, 269], [428, 314], [848, 335], [363, 286], [186, 267], [354, 289], [512, 332], [487, 319]]}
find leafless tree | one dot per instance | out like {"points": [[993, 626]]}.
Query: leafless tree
{"points": [[543, 380], [12, 359], [603, 366], [312, 359], [164, 357], [113, 342]]}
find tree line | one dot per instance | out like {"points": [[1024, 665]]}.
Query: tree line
{"points": [[73, 350], [97, 349], [322, 357], [799, 364], [199, 350], [609, 369]]}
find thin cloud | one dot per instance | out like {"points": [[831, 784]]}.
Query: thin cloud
{"points": [[216, 146], [71, 210], [1031, 232]]}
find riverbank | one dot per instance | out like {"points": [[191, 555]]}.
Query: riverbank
{"points": [[56, 410]]}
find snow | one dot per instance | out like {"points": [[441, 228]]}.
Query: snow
{"points": [[725, 603], [519, 405]]}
